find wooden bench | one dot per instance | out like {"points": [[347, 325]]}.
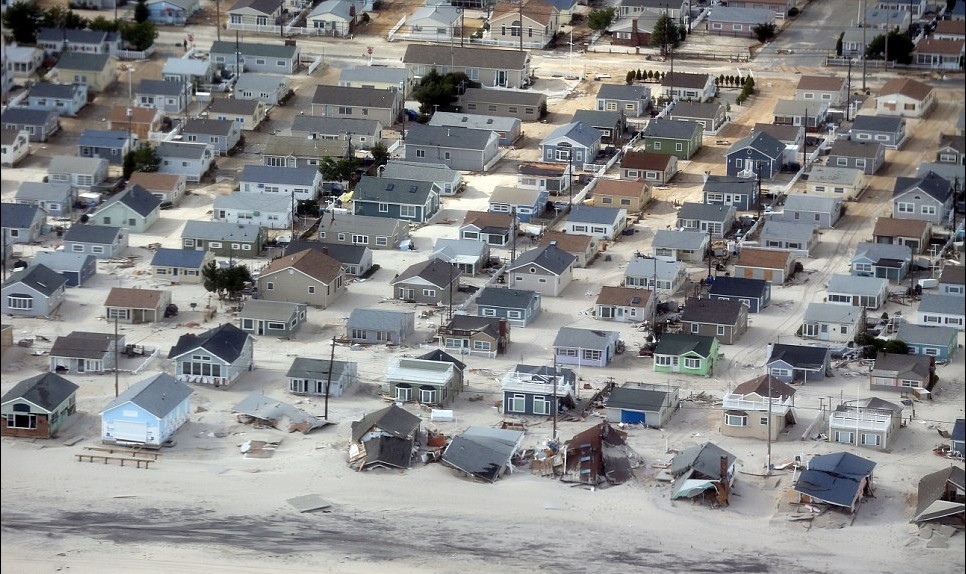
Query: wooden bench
{"points": [[132, 452], [90, 457]]}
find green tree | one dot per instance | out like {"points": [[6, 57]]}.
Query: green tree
{"points": [[225, 282], [141, 12], [639, 75], [23, 19], [59, 17], [211, 278], [144, 158], [140, 36], [896, 347], [600, 20], [438, 91], [102, 24], [838, 44], [665, 34], [764, 32], [630, 77], [338, 168], [650, 75], [380, 153], [900, 48]]}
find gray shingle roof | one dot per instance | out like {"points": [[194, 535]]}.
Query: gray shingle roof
{"points": [[592, 214], [225, 341], [81, 61], [474, 121], [47, 391], [518, 97], [677, 344], [703, 110], [346, 96], [760, 141], [811, 203], [138, 199], [316, 369], [584, 134], [97, 234], [852, 148], [645, 267], [671, 129], [449, 137], [934, 186], [597, 118], [380, 74], [799, 356], [714, 311], [393, 420], [468, 57], [23, 116], [741, 15], [671, 239], [208, 127], [17, 215], [703, 459], [925, 335], [333, 126], [73, 164], [505, 298], [706, 212], [52, 91], [731, 184], [219, 230], [182, 150], [882, 124], [159, 395], [266, 202], [389, 190], [181, 258], [61, 261], [252, 49], [571, 337], [74, 36], [234, 106], [550, 257], [631, 397], [270, 310], [853, 284], [436, 271], [788, 231], [685, 80], [38, 277], [380, 319], [878, 251], [436, 172], [833, 313], [739, 287], [823, 174], [945, 304], [103, 138], [278, 175], [834, 478], [624, 92], [160, 88], [83, 345]]}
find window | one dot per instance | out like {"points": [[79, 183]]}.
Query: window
{"points": [[592, 355], [120, 314], [420, 153], [928, 210], [692, 363], [429, 292], [721, 330], [736, 420], [481, 345], [657, 145], [763, 421], [21, 420], [311, 289], [778, 372], [346, 111], [20, 302], [97, 249], [541, 406], [678, 147], [843, 437], [404, 394], [429, 396], [902, 207], [487, 312], [517, 404], [269, 286], [382, 241], [869, 439], [408, 211], [360, 239], [562, 154], [695, 328]]}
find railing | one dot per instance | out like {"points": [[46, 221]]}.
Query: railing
{"points": [[859, 421], [135, 54], [732, 402], [392, 33], [512, 383]]}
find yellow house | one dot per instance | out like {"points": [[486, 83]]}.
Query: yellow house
{"points": [[246, 113], [632, 195], [96, 71]]}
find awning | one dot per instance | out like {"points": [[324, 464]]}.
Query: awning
{"points": [[693, 487]]}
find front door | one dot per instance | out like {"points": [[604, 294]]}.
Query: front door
{"points": [[501, 77]]}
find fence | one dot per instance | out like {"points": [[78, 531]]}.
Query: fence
{"points": [[134, 54]]}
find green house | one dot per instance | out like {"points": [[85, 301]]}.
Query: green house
{"points": [[681, 139], [685, 353]]}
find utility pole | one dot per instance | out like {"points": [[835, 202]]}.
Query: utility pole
{"points": [[520, 14], [328, 380], [281, 18], [863, 47], [759, 190], [117, 358], [218, 20], [556, 375], [513, 234], [237, 55], [450, 291], [462, 24], [805, 143], [768, 460], [710, 253], [848, 94]]}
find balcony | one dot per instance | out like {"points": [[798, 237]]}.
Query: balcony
{"points": [[736, 402], [859, 421], [511, 382]]}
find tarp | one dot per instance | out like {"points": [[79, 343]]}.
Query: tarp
{"points": [[693, 487]]}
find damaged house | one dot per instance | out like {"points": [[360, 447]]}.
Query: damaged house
{"points": [[705, 469], [386, 438], [840, 480], [941, 498], [483, 453], [599, 456], [262, 411]]}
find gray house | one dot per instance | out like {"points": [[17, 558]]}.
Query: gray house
{"points": [[832, 322], [36, 291], [309, 276], [21, 223], [610, 124], [882, 260], [374, 232], [739, 192], [105, 144], [494, 229], [191, 71], [507, 129], [135, 209], [362, 134], [416, 202], [383, 106], [640, 403], [270, 89], [101, 241], [220, 135], [868, 292], [867, 156], [716, 220], [65, 99], [759, 154], [631, 99], [687, 246], [711, 115], [798, 237], [382, 77], [321, 377], [456, 147], [302, 182], [171, 97], [85, 352], [600, 222], [798, 363], [490, 67], [585, 347], [380, 326], [890, 131], [431, 282], [469, 255], [448, 179], [573, 143], [82, 173], [928, 198], [223, 239], [811, 115], [40, 125], [192, 160], [251, 57], [78, 268], [216, 357], [526, 106], [299, 152], [667, 275], [815, 209], [547, 270], [518, 306], [272, 318]]}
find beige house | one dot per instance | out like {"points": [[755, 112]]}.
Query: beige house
{"points": [[746, 409], [845, 183], [535, 22], [657, 168], [136, 306], [310, 276], [773, 266], [141, 121], [164, 186], [96, 71], [246, 113], [829, 89], [547, 270], [905, 97], [583, 247], [632, 195]]}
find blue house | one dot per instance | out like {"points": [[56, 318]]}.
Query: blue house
{"points": [[798, 363], [575, 143], [938, 342], [415, 201], [881, 260], [518, 306], [755, 293], [526, 203], [171, 12], [529, 390], [65, 99], [740, 192], [77, 268], [585, 347], [758, 154], [148, 413], [104, 144]]}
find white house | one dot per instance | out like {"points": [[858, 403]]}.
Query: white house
{"points": [[262, 209], [304, 182]]}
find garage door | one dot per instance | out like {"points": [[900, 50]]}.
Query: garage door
{"points": [[132, 431], [632, 417]]}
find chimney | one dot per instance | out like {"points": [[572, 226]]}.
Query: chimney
{"points": [[707, 174], [768, 349], [553, 242], [724, 486]]}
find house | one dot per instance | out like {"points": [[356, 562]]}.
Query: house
{"points": [[796, 236], [761, 408], [270, 89], [949, 29], [892, 372], [458, 148], [304, 183], [14, 146], [427, 382], [141, 122], [656, 168], [890, 262], [379, 77], [493, 229], [681, 139], [667, 275], [583, 247], [192, 71], [547, 270], [956, 439], [489, 67], [867, 156], [738, 22], [739, 192], [295, 152], [871, 423], [686, 86], [413, 201], [38, 407], [843, 182], [867, 292], [449, 181], [191, 160], [524, 204], [386, 438], [938, 54], [136, 306], [928, 198], [433, 23], [22, 61], [704, 470], [634, 31], [468, 255], [475, 335], [876, 17], [585, 347], [356, 260], [913, 233], [483, 453], [624, 304], [432, 282], [611, 124], [890, 131], [952, 280], [686, 246], [321, 377], [85, 352], [273, 318], [82, 173], [946, 310], [829, 89], [840, 479], [164, 186], [169, 97], [255, 58], [536, 22], [780, 7], [757, 155], [77, 268], [375, 232], [631, 196], [755, 293], [605, 223], [335, 18], [21, 223], [507, 129], [536, 390], [65, 99], [812, 115], [930, 341], [725, 320], [148, 413], [220, 135], [270, 210], [245, 114], [833, 322], [180, 265], [135, 209], [820, 211], [518, 306], [216, 357], [633, 100], [101, 241], [952, 149], [711, 115], [40, 125], [383, 106], [524, 105], [362, 134], [223, 239], [311, 277], [792, 136], [686, 353], [798, 363], [652, 7], [171, 12], [255, 15], [642, 404], [53, 41], [96, 71], [380, 326], [775, 267], [571, 143], [940, 499], [904, 97], [715, 220], [948, 171]]}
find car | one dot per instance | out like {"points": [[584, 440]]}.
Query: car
{"points": [[167, 204]]}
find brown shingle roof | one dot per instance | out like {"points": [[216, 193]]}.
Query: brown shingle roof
{"points": [[128, 298], [950, 27], [906, 87], [822, 83], [890, 227], [760, 385], [488, 219], [620, 187], [536, 10], [944, 47], [763, 258], [153, 181], [312, 262], [624, 296], [645, 160], [685, 80], [570, 242], [138, 115]]}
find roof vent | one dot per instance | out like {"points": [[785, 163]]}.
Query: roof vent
{"points": [[390, 186]]}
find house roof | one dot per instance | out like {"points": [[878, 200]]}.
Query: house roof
{"points": [[783, 133], [234, 106], [487, 220], [930, 45], [763, 258], [181, 258], [262, 202], [926, 335], [645, 160], [672, 129], [685, 80], [584, 134], [317, 369], [788, 231], [904, 366], [519, 97], [263, 6], [570, 242], [118, 114], [812, 203], [159, 395], [664, 268], [580, 213], [882, 251], [674, 239], [853, 148], [549, 257], [835, 478], [186, 67], [833, 313], [892, 227], [713, 311], [953, 141], [597, 118], [435, 172], [945, 304], [364, 224], [515, 196], [451, 137], [252, 49], [731, 184], [706, 212], [474, 121], [300, 147], [47, 391], [762, 142], [950, 27], [933, 488], [506, 298], [741, 15], [931, 184], [630, 396], [54, 91], [161, 87], [476, 324], [739, 287], [209, 127], [854, 284], [72, 164], [392, 420], [340, 8], [270, 310], [823, 174], [136, 198], [466, 57], [75, 36], [380, 319], [906, 87], [886, 124], [765, 386], [441, 356], [27, 117], [443, 14], [623, 296], [618, 188], [225, 341], [18, 215], [9, 135], [83, 61], [436, 271], [800, 356], [869, 404], [219, 230], [953, 274], [624, 92], [382, 74], [130, 298], [537, 10], [821, 83], [574, 338], [344, 95], [947, 171], [312, 262], [99, 234], [391, 190], [83, 345], [305, 176], [182, 150], [259, 83], [483, 452], [689, 109], [452, 250], [334, 126], [800, 108], [703, 459], [61, 261]]}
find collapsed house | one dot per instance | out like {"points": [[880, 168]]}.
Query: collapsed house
{"points": [[483, 453], [387, 438], [942, 498], [260, 410], [704, 470], [599, 456], [839, 480]]}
